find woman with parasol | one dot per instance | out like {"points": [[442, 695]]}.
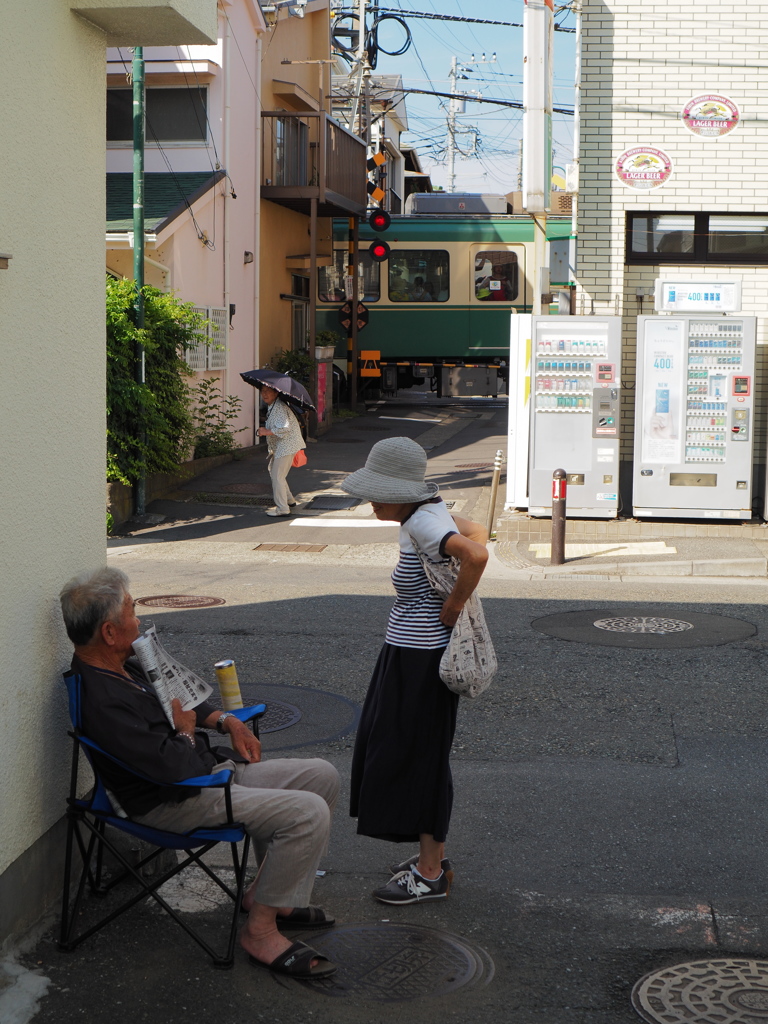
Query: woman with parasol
{"points": [[283, 396]]}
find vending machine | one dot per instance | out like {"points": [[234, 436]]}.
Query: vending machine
{"points": [[694, 411], [575, 387]]}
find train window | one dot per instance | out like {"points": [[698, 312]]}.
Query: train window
{"points": [[330, 280], [496, 276], [418, 275]]}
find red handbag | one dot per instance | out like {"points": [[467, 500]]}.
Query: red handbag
{"points": [[300, 458]]}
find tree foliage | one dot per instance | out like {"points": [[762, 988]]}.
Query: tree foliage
{"points": [[149, 426]]}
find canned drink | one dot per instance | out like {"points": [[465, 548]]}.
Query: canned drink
{"points": [[229, 685]]}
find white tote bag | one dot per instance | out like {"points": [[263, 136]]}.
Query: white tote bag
{"points": [[469, 663]]}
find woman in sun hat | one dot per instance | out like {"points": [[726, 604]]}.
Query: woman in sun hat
{"points": [[401, 779]]}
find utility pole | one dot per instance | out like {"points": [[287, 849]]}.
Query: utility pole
{"points": [[137, 74], [451, 150]]}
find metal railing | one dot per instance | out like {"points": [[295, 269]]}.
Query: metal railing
{"points": [[309, 155]]}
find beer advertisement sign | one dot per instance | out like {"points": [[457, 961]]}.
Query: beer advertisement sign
{"points": [[643, 168], [710, 116]]}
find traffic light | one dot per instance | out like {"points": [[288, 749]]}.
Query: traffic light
{"points": [[378, 250], [379, 220]]}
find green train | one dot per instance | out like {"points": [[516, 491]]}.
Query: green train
{"points": [[443, 297]]}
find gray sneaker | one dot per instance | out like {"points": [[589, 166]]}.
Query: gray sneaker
{"points": [[408, 887], [445, 864]]}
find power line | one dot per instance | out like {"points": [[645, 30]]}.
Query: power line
{"points": [[470, 98], [454, 17]]}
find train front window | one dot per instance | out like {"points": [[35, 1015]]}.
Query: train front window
{"points": [[418, 275], [495, 276], [330, 280]]}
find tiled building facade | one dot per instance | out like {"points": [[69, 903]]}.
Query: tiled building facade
{"points": [[641, 65]]}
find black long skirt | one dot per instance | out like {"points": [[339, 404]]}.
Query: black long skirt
{"points": [[401, 778]]}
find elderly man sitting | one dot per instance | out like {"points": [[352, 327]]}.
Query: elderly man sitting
{"points": [[285, 804]]}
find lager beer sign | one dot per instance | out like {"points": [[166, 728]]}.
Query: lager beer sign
{"points": [[710, 115], [643, 168]]}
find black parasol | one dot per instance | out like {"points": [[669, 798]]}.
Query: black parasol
{"points": [[288, 388]]}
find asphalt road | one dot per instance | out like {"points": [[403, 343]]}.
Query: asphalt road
{"points": [[610, 811]]}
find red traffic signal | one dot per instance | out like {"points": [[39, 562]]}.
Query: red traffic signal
{"points": [[379, 251], [379, 220]]}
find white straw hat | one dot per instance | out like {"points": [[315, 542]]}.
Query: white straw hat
{"points": [[394, 472]]}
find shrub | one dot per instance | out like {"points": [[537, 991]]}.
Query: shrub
{"points": [[149, 425], [211, 415]]}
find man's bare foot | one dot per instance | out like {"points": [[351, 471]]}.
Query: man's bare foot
{"points": [[260, 937]]}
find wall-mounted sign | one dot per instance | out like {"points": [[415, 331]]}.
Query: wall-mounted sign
{"points": [[710, 115], [698, 296], [643, 168]]}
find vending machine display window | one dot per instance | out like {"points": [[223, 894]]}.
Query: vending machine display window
{"points": [[715, 349]]}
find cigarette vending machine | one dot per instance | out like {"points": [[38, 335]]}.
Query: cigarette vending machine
{"points": [[694, 416], [575, 387]]}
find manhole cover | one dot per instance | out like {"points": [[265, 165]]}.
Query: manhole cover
{"points": [[705, 992], [643, 624], [644, 627], [475, 465], [395, 963], [333, 501], [278, 716], [314, 716], [180, 601]]}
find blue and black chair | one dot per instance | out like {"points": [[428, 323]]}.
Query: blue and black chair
{"points": [[89, 820]]}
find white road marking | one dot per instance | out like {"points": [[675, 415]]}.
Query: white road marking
{"points": [[410, 419], [344, 523], [606, 549]]}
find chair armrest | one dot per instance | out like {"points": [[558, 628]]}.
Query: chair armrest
{"points": [[221, 778], [246, 714]]}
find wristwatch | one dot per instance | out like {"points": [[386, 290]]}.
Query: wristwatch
{"points": [[222, 718]]}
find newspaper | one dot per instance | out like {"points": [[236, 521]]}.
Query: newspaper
{"points": [[169, 677]]}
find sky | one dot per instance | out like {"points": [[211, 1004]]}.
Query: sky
{"points": [[493, 166]]}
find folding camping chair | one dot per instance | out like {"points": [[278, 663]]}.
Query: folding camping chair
{"points": [[87, 822]]}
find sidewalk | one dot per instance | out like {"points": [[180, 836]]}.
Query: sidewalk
{"points": [[629, 547]]}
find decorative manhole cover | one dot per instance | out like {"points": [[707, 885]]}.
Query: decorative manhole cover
{"points": [[644, 627], [643, 624], [180, 601], [394, 963], [278, 716], [705, 992], [475, 465], [333, 501]]}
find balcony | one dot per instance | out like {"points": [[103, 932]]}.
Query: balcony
{"points": [[310, 156]]}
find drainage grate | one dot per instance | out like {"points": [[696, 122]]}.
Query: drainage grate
{"points": [[333, 502], [308, 548], [180, 601], [395, 963], [474, 465], [640, 627], [643, 624], [704, 992], [214, 498]]}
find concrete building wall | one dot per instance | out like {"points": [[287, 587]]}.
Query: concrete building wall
{"points": [[285, 232], [52, 417], [641, 65], [212, 274]]}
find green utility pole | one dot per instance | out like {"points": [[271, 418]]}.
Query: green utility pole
{"points": [[139, 490]]}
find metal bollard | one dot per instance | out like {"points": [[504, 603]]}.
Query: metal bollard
{"points": [[497, 463], [559, 488]]}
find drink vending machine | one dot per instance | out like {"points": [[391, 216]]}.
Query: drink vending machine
{"points": [[574, 391], [694, 416]]}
